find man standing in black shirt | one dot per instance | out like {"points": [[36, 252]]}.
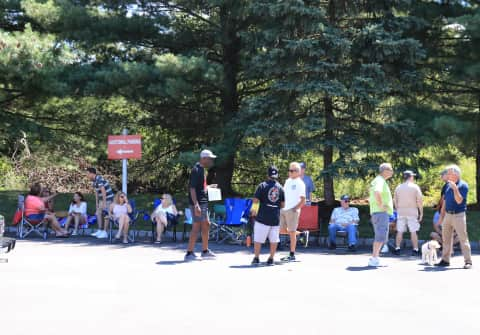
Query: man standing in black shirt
{"points": [[198, 199], [271, 197]]}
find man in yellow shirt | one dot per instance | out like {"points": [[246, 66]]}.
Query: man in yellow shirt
{"points": [[381, 208]]}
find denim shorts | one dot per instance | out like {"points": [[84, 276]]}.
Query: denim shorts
{"points": [[204, 216], [36, 217], [381, 222]]}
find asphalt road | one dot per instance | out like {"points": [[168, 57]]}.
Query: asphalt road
{"points": [[86, 287]]}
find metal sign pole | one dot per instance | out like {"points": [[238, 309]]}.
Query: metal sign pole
{"points": [[124, 168]]}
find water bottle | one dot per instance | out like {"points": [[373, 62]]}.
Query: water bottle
{"points": [[2, 225]]}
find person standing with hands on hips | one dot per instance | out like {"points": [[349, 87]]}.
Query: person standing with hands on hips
{"points": [[381, 208], [294, 201], [198, 199], [454, 218]]}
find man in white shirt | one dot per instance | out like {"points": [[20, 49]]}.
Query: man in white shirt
{"points": [[408, 202], [294, 200], [344, 218]]}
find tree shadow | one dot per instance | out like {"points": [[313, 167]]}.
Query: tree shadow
{"points": [[439, 269], [362, 268]]}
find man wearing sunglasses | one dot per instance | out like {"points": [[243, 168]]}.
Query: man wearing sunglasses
{"points": [[294, 201], [344, 218]]}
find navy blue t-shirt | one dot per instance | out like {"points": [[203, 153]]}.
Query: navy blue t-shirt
{"points": [[450, 203], [444, 188], [198, 181], [271, 195]]}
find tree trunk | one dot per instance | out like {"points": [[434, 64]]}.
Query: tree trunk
{"points": [[328, 189], [477, 157], [229, 99]]}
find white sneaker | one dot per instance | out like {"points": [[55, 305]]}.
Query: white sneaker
{"points": [[384, 249], [74, 233], [102, 234], [95, 233], [374, 261]]}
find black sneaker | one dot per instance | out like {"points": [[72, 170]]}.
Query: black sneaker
{"points": [[467, 266], [442, 263], [332, 246], [289, 258], [352, 248], [396, 252], [270, 262], [255, 261], [415, 253]]}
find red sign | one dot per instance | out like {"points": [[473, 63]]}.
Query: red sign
{"points": [[125, 147]]}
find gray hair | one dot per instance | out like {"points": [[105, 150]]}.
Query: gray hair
{"points": [[444, 172], [385, 166], [454, 168], [296, 166]]}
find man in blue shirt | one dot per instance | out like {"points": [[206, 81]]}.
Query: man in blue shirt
{"points": [[271, 197], [309, 185], [454, 217]]}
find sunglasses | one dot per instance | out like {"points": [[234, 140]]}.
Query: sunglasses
{"points": [[292, 170]]}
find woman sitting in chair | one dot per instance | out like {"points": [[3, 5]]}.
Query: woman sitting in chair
{"points": [[36, 212], [119, 210], [164, 213], [77, 212], [47, 196]]}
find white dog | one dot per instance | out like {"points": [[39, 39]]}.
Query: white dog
{"points": [[429, 252]]}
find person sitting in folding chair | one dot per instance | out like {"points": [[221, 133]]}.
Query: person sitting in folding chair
{"points": [[77, 212], [344, 218], [164, 213], [35, 211], [119, 210], [271, 197]]}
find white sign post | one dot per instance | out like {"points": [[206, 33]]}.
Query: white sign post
{"points": [[124, 167]]}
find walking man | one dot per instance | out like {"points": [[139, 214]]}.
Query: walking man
{"points": [[454, 217], [309, 185], [381, 208], [294, 201], [271, 197], [103, 199], [408, 201], [198, 199]]}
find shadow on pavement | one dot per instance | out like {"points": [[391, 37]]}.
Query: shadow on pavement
{"points": [[360, 268], [439, 269]]}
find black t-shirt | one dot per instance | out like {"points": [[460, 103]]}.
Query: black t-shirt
{"points": [[198, 181], [271, 195]]}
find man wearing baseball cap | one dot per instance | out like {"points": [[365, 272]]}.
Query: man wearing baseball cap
{"points": [[198, 199], [344, 218], [408, 201], [271, 197]]}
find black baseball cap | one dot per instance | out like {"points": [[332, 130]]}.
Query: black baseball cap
{"points": [[303, 165], [273, 172], [345, 197]]}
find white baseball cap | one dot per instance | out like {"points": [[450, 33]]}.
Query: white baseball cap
{"points": [[207, 154]]}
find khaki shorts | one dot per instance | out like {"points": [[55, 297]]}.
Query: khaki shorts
{"points": [[289, 220], [410, 222]]}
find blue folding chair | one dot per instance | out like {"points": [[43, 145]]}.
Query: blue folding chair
{"points": [[132, 230], [171, 219], [188, 221], [233, 227]]}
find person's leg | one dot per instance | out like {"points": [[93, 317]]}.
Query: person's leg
{"points": [[398, 239], [99, 214], [376, 249], [414, 238], [193, 236], [401, 228], [292, 225], [205, 232], [352, 234], [273, 249], [447, 235], [460, 226], [67, 223], [55, 225], [120, 227], [126, 225], [332, 233], [77, 223], [381, 228]]}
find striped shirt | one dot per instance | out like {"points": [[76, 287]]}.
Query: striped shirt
{"points": [[100, 182]]}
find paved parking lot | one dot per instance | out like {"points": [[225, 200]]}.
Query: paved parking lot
{"points": [[84, 287]]}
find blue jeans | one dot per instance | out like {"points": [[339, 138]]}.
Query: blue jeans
{"points": [[350, 229]]}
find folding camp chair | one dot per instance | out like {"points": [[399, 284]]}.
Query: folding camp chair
{"points": [[233, 227], [26, 226], [216, 220], [172, 220], [307, 224], [132, 231]]}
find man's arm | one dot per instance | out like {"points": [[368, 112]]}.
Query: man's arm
{"points": [[333, 217], [420, 205], [300, 203], [378, 199], [356, 218], [255, 201]]}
